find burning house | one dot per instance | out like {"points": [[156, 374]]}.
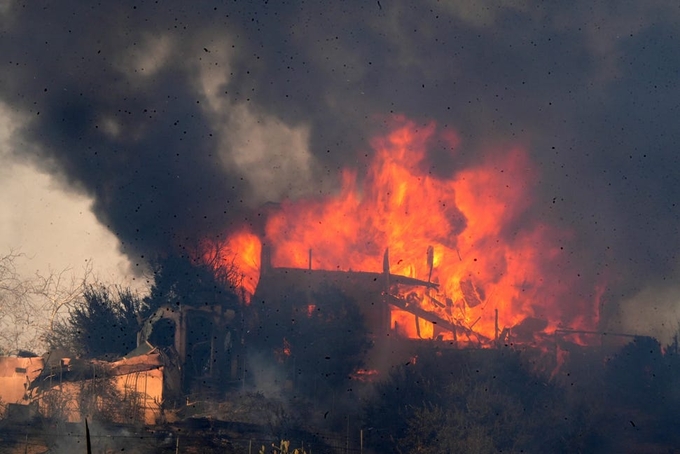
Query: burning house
{"points": [[390, 303], [427, 256]]}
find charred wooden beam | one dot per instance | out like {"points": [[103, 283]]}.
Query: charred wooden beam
{"points": [[80, 369], [404, 280], [367, 276], [430, 317], [470, 293], [435, 301]]}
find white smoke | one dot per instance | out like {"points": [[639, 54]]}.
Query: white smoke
{"points": [[654, 311]]}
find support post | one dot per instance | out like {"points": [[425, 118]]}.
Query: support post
{"points": [[430, 262], [495, 337]]}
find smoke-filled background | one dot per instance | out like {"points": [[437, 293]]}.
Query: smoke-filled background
{"points": [[173, 121]]}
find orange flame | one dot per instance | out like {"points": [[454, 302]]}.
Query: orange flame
{"points": [[240, 253], [469, 232]]}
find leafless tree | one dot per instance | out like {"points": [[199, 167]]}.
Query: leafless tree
{"points": [[60, 291], [18, 311], [222, 260], [30, 305]]}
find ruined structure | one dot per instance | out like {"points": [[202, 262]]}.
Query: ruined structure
{"points": [[183, 351], [130, 390], [203, 341], [390, 303]]}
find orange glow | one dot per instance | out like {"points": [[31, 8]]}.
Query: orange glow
{"points": [[239, 254], [471, 225], [286, 347], [411, 326], [365, 375]]}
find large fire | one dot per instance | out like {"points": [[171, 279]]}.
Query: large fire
{"points": [[469, 232]]}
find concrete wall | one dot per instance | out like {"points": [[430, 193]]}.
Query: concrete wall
{"points": [[15, 376]]}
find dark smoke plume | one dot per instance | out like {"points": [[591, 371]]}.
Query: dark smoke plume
{"points": [[182, 119]]}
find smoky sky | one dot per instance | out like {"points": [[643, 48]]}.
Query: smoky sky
{"points": [[140, 105]]}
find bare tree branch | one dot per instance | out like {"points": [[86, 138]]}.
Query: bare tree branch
{"points": [[30, 305]]}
